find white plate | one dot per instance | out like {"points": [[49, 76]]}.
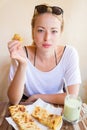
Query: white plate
{"points": [[47, 106]]}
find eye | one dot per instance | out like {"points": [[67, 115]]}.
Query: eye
{"points": [[40, 30], [54, 31]]}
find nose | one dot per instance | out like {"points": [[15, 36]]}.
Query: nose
{"points": [[47, 36]]}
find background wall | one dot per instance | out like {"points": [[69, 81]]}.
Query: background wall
{"points": [[15, 17]]}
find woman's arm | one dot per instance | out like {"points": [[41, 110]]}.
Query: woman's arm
{"points": [[16, 88], [53, 98]]}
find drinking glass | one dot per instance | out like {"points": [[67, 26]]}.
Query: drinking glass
{"points": [[72, 107]]}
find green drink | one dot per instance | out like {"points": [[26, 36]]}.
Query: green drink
{"points": [[72, 108]]}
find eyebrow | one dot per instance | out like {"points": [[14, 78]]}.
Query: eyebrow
{"points": [[40, 27], [54, 28], [44, 28]]}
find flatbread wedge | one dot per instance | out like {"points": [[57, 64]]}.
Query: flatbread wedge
{"points": [[17, 37], [22, 118], [52, 121]]}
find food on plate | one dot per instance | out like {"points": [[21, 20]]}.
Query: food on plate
{"points": [[44, 117], [22, 118], [17, 37]]}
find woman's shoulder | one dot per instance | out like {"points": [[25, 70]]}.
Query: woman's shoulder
{"points": [[31, 51], [68, 50], [65, 49], [31, 47], [66, 46], [71, 49]]}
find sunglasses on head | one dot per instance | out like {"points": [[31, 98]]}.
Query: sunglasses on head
{"points": [[39, 9]]}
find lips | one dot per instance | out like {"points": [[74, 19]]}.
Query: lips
{"points": [[46, 45]]}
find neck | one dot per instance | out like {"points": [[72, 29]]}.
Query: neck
{"points": [[45, 56]]}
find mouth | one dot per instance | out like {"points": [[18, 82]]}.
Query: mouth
{"points": [[46, 45]]}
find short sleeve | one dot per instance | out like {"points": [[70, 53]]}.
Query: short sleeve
{"points": [[72, 71]]}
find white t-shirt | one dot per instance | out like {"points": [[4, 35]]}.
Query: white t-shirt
{"points": [[38, 82]]}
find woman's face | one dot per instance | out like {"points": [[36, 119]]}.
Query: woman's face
{"points": [[46, 31]]}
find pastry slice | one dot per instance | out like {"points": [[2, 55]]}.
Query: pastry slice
{"points": [[52, 121], [22, 118], [17, 37]]}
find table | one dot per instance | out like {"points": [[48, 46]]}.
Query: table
{"points": [[82, 125]]}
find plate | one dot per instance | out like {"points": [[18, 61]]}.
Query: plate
{"points": [[41, 103]]}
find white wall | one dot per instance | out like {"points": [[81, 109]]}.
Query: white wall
{"points": [[15, 17]]}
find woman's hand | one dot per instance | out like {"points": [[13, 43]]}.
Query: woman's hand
{"points": [[17, 52], [30, 100]]}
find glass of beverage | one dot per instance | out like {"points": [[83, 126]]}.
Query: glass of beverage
{"points": [[72, 108]]}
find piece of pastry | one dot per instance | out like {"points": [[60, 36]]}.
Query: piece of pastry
{"points": [[44, 117], [17, 37], [22, 118]]}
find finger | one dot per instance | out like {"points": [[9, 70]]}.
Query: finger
{"points": [[13, 44], [15, 47]]}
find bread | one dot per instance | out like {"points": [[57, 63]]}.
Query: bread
{"points": [[22, 118], [25, 121], [44, 117], [17, 37]]}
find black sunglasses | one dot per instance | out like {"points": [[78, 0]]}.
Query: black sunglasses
{"points": [[44, 8]]}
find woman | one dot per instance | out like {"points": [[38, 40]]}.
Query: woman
{"points": [[41, 70]]}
